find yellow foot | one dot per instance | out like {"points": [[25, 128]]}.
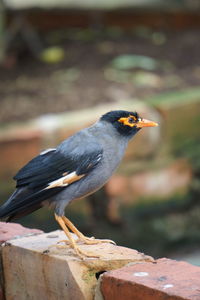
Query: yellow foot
{"points": [[67, 245], [66, 242], [67, 225], [89, 241], [82, 254], [93, 241]]}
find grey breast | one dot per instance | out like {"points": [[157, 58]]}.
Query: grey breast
{"points": [[102, 136]]}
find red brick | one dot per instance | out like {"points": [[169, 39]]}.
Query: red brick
{"points": [[164, 280], [11, 230]]}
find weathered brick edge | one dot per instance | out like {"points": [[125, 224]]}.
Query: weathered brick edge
{"points": [[9, 231], [164, 279]]}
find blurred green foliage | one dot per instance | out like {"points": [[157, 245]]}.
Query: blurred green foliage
{"points": [[129, 61], [183, 96], [52, 55]]}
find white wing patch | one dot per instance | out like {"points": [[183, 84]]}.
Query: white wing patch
{"points": [[99, 157], [47, 150], [64, 181]]}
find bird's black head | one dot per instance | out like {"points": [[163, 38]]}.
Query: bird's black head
{"points": [[126, 123]]}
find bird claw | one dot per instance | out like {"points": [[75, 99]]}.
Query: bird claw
{"points": [[93, 241], [80, 253], [88, 241], [60, 246], [67, 242]]}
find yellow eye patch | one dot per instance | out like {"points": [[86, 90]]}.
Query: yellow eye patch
{"points": [[128, 121]]}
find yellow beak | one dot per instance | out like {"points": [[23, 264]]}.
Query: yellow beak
{"points": [[145, 123]]}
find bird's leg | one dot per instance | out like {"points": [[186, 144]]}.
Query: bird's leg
{"points": [[85, 239], [79, 252]]}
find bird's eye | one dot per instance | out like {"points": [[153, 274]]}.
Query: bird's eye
{"points": [[131, 120]]}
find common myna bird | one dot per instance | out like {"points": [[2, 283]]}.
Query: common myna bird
{"points": [[79, 166]]}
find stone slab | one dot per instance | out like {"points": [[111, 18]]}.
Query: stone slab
{"points": [[9, 231], [58, 273]]}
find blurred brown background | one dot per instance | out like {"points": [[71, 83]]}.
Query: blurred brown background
{"points": [[63, 64]]}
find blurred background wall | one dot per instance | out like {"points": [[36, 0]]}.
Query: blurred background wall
{"points": [[63, 64]]}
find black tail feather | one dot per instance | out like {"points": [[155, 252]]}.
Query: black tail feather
{"points": [[22, 213], [21, 207]]}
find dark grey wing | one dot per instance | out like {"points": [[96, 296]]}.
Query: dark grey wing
{"points": [[41, 171], [46, 175]]}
